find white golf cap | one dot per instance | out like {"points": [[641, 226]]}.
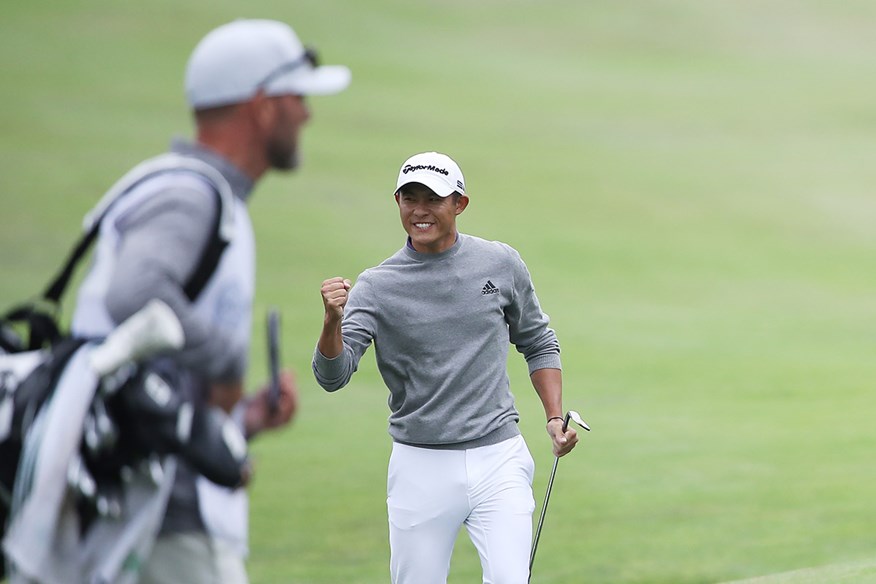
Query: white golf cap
{"points": [[435, 170], [233, 62]]}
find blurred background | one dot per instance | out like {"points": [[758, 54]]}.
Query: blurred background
{"points": [[690, 183]]}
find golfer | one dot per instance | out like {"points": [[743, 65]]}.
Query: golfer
{"points": [[441, 313]]}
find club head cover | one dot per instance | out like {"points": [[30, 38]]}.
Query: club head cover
{"points": [[216, 448]]}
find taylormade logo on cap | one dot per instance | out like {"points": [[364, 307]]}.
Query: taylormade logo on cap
{"points": [[435, 170], [411, 168]]}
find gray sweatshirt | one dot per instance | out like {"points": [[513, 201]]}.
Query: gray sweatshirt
{"points": [[441, 326]]}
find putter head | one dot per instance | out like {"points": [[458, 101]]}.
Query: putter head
{"points": [[576, 417]]}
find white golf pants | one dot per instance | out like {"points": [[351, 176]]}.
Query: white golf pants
{"points": [[432, 493]]}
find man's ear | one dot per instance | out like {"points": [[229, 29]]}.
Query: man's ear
{"points": [[396, 199], [262, 109], [461, 204]]}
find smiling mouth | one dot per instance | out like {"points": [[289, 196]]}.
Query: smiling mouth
{"points": [[422, 225]]}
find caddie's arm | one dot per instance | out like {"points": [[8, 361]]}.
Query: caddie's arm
{"points": [[548, 383], [335, 292], [253, 412]]}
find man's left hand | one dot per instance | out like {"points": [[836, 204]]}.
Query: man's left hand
{"points": [[259, 415], [563, 442]]}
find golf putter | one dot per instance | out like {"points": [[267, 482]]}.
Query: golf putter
{"points": [[274, 359], [575, 417]]}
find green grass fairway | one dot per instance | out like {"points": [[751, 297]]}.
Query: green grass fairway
{"points": [[692, 185], [837, 574]]}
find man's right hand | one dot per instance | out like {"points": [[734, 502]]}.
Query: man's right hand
{"points": [[334, 297]]}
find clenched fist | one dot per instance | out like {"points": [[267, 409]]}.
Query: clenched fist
{"points": [[334, 297]]}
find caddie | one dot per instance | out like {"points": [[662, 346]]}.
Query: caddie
{"points": [[247, 84]]}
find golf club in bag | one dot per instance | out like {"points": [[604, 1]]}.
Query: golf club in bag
{"points": [[575, 417]]}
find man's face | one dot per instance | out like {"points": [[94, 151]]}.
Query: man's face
{"points": [[291, 113], [429, 220]]}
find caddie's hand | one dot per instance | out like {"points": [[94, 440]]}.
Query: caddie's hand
{"points": [[334, 296], [563, 442], [258, 411]]}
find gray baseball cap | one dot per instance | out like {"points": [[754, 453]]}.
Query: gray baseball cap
{"points": [[236, 60]]}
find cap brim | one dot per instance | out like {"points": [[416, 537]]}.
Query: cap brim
{"points": [[439, 187], [323, 80]]}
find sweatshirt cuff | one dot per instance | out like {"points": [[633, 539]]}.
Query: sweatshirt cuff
{"points": [[551, 361], [328, 368]]}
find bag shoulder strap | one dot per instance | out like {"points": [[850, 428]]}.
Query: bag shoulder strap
{"points": [[40, 315], [210, 257], [221, 233]]}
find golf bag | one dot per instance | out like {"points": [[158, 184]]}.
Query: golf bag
{"points": [[86, 449], [134, 420]]}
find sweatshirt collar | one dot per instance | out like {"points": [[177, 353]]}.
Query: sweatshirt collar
{"points": [[433, 257]]}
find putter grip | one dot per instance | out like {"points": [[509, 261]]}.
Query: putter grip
{"points": [[274, 359]]}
